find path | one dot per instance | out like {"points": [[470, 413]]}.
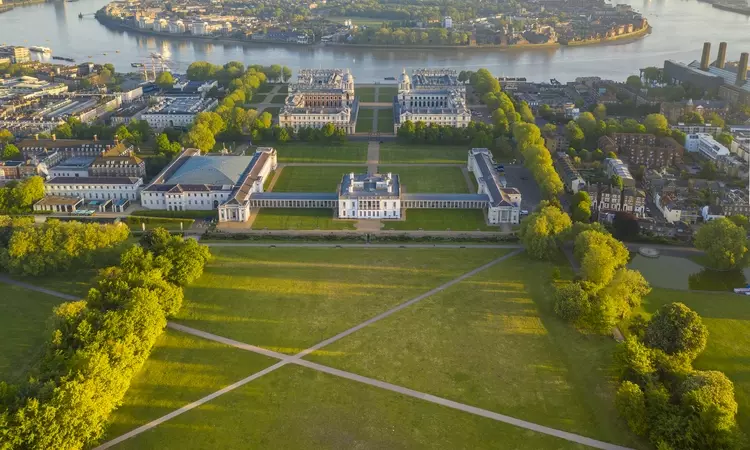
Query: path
{"points": [[33, 287], [373, 156]]}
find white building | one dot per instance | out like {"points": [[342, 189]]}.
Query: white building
{"points": [[77, 166], [706, 145], [614, 166], [369, 196], [320, 97], [177, 27], [177, 111], [431, 96], [145, 23], [504, 202], [161, 25], [196, 182], [94, 188], [693, 128], [447, 22], [199, 28]]}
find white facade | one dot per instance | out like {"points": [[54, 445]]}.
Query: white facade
{"points": [[95, 188], [177, 111], [706, 145], [432, 96], [321, 97], [447, 22], [199, 28], [671, 214], [369, 196], [504, 202], [692, 128], [177, 27], [145, 23], [161, 25]]}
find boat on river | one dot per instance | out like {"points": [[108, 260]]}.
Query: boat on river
{"points": [[38, 49]]}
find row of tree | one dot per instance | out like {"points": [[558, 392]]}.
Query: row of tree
{"points": [[97, 345], [537, 158], [477, 134], [58, 246], [662, 397], [204, 71]]}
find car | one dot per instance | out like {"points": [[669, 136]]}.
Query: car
{"points": [[524, 212]]}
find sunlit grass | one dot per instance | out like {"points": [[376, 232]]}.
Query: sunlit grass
{"points": [[429, 180], [494, 342], [313, 179], [299, 219], [423, 154], [441, 220], [298, 408], [294, 297], [321, 153]]}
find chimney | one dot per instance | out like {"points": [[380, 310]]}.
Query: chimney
{"points": [[742, 69], [722, 58], [54, 137], [705, 58]]}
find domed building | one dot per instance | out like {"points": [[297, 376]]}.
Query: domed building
{"points": [[431, 96]]}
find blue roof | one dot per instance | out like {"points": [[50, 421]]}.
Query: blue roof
{"points": [[213, 170]]}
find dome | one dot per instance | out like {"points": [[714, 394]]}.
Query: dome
{"points": [[404, 78], [348, 78]]}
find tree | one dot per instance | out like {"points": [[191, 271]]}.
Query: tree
{"points": [[724, 242], [725, 139], [676, 329], [708, 399], [600, 255], [575, 135], [212, 121], [656, 124], [580, 209], [740, 221], [587, 122], [632, 126], [540, 231], [715, 120], [6, 137], [600, 111], [625, 225], [525, 111], [631, 404], [634, 81], [200, 137], [11, 152], [286, 73], [202, 71], [571, 302], [165, 80]]}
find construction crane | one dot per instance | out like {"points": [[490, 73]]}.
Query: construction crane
{"points": [[155, 63]]}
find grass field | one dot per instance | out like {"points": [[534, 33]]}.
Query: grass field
{"points": [[284, 89], [170, 224], [303, 152], [299, 219], [365, 94], [273, 110], [297, 408], [258, 98], [23, 320], [181, 369], [278, 99], [288, 299], [441, 220], [313, 179], [364, 120], [386, 94], [422, 154], [429, 179], [264, 89], [493, 341], [727, 317], [385, 120]]}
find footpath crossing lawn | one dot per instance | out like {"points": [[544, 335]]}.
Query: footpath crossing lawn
{"points": [[181, 369], [427, 180], [298, 408], [258, 98], [387, 93], [278, 99], [441, 220], [401, 153], [321, 153], [365, 94], [264, 89], [364, 120], [313, 178], [287, 299], [385, 120], [23, 328], [494, 342], [299, 219]]}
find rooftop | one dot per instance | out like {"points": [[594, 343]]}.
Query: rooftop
{"points": [[212, 170], [94, 180], [369, 185]]}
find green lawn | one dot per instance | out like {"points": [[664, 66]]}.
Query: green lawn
{"points": [[493, 341], [364, 120], [441, 219], [304, 152], [135, 223], [181, 369], [288, 299], [385, 120], [415, 179], [365, 94], [386, 94], [299, 219], [279, 98], [727, 317], [422, 154], [265, 88], [258, 98], [273, 110], [23, 321], [284, 89], [313, 179], [682, 273], [298, 408]]}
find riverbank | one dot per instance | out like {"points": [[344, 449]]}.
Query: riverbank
{"points": [[114, 24], [9, 6]]}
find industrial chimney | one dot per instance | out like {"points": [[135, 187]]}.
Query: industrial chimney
{"points": [[722, 58], [706, 57], [742, 69]]}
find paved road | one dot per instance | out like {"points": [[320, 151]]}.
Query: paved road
{"points": [[344, 245]]}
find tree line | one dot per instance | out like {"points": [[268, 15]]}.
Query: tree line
{"points": [[98, 344], [18, 197]]}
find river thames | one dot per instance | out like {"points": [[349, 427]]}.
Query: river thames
{"points": [[680, 28]]}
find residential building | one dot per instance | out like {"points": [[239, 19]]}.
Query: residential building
{"points": [[674, 111], [77, 166], [320, 97], [369, 196], [694, 128], [706, 145], [432, 96], [16, 54], [608, 199], [614, 166], [569, 174], [177, 112], [118, 166], [643, 149]]}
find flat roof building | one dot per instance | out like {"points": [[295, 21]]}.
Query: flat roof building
{"points": [[178, 112], [370, 196]]}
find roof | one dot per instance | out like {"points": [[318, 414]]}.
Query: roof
{"points": [[441, 197], [729, 77], [76, 162], [50, 200], [219, 170], [94, 180], [492, 181], [370, 185]]}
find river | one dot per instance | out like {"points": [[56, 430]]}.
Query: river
{"points": [[680, 28]]}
